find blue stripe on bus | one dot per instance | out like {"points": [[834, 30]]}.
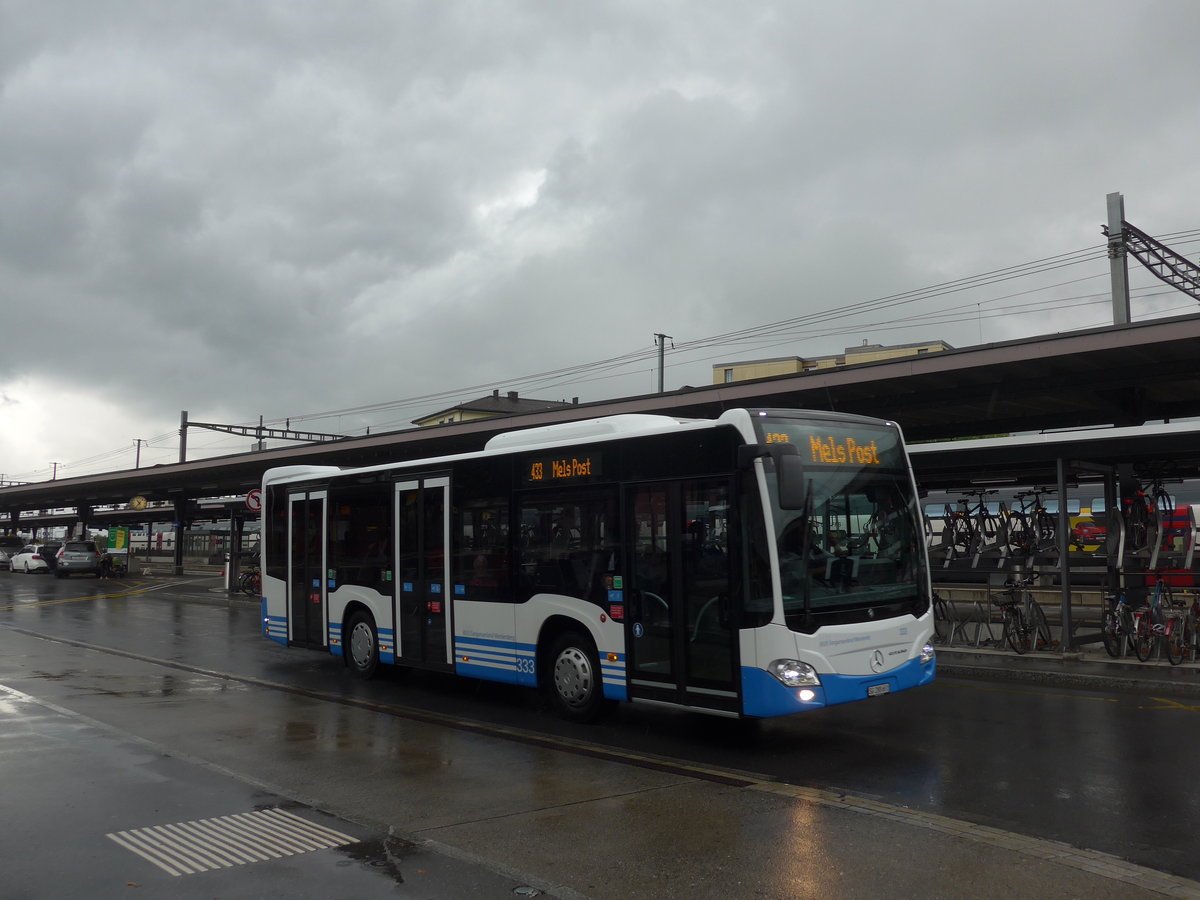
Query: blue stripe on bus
{"points": [[614, 676], [505, 674], [496, 660], [386, 637], [387, 646], [276, 628], [513, 662], [764, 695]]}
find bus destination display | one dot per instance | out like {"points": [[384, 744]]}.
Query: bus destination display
{"points": [[557, 469], [836, 447], [829, 449]]}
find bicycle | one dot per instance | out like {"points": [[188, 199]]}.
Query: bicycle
{"points": [[1180, 635], [946, 622], [973, 527], [1184, 636], [1116, 629], [1169, 621], [250, 582], [1031, 527], [1024, 621], [1145, 514], [959, 530], [1150, 624]]}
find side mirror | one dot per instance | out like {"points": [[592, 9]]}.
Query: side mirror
{"points": [[789, 473], [789, 470]]}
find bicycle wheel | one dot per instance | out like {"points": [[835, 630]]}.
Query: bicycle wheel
{"points": [[1187, 636], [1018, 535], [1173, 643], [1016, 632], [1138, 526], [1166, 598], [1039, 628], [1110, 631], [1143, 635], [1114, 534], [942, 624], [984, 535], [964, 537]]}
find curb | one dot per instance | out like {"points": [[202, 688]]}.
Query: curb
{"points": [[1180, 681]]}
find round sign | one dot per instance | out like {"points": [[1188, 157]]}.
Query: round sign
{"points": [[254, 500]]}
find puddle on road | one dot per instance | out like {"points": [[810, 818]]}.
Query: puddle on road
{"points": [[385, 855]]}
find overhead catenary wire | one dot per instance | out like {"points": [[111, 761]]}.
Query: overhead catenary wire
{"points": [[845, 310], [763, 336], [587, 372]]}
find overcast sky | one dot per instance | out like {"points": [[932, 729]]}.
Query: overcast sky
{"points": [[281, 209]]}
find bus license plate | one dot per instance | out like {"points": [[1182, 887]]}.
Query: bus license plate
{"points": [[876, 689]]}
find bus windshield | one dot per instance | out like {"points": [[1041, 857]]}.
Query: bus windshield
{"points": [[854, 551]]}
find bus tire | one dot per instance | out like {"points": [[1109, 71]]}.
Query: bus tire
{"points": [[362, 645], [573, 681]]}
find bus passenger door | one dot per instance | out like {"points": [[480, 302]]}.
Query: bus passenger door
{"points": [[680, 634], [306, 569], [423, 572]]}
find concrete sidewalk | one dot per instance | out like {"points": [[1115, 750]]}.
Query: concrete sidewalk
{"points": [[1087, 667]]}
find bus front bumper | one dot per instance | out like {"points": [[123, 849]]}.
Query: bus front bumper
{"points": [[763, 695]]}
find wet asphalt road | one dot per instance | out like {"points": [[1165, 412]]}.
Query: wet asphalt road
{"points": [[1105, 771]]}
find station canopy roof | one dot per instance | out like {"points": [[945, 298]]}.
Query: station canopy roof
{"points": [[1113, 376]]}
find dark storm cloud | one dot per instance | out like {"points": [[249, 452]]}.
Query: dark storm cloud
{"points": [[282, 208]]}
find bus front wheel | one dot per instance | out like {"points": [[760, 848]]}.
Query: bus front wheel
{"points": [[363, 645], [574, 684]]}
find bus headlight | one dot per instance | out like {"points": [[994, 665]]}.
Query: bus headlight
{"points": [[794, 673], [927, 653]]}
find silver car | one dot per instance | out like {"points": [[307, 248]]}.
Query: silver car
{"points": [[78, 556], [10, 546]]}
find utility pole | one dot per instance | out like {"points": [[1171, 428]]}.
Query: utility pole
{"points": [[662, 350], [183, 425], [53, 471], [1118, 259], [137, 460]]}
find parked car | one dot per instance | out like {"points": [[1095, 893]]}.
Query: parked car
{"points": [[78, 556], [30, 558], [10, 545]]}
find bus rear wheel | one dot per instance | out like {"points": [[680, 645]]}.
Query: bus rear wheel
{"points": [[362, 645], [574, 684]]}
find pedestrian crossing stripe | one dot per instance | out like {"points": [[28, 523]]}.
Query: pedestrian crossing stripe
{"points": [[186, 848]]}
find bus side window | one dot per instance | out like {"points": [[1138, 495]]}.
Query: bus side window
{"points": [[568, 544], [359, 535], [481, 554]]}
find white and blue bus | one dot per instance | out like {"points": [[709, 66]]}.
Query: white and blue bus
{"points": [[763, 563]]}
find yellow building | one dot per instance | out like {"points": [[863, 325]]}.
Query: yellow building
{"points": [[729, 372]]}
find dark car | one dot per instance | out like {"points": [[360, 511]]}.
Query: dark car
{"points": [[50, 553], [78, 556]]}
